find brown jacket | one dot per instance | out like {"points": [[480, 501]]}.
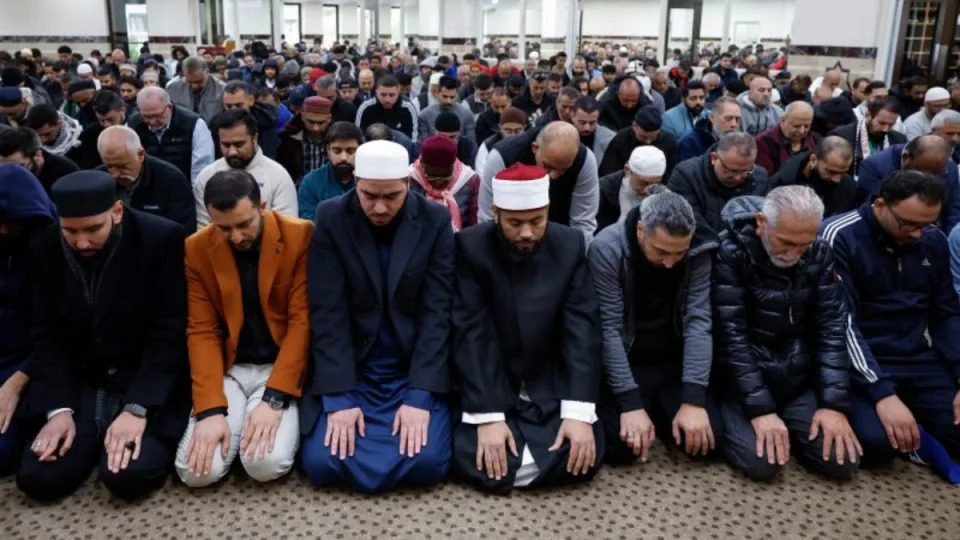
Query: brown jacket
{"points": [[215, 305]]}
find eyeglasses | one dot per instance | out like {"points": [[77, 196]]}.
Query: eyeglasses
{"points": [[734, 172], [907, 226]]}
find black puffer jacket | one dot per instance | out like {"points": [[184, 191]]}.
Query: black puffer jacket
{"points": [[697, 182], [778, 331]]}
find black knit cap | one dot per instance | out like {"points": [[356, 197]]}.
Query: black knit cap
{"points": [[648, 118], [84, 194], [447, 122], [83, 84]]}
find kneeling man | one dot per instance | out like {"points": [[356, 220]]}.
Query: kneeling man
{"points": [[780, 323], [379, 288], [526, 331], [904, 335], [652, 276], [109, 378], [248, 334]]}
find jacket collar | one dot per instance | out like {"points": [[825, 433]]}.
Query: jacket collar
{"points": [[404, 243], [228, 277]]}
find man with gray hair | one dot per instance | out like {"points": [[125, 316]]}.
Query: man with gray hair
{"points": [[710, 181], [651, 272], [172, 133], [144, 182], [724, 118], [780, 323], [197, 91], [946, 125]]}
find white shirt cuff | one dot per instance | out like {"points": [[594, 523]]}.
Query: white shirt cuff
{"points": [[55, 412], [578, 410], [483, 418]]}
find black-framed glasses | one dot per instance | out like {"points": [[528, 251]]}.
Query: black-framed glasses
{"points": [[907, 226], [734, 172]]}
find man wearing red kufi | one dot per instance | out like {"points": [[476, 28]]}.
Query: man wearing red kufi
{"points": [[526, 344]]}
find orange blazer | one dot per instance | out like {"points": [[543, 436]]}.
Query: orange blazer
{"points": [[215, 299]]}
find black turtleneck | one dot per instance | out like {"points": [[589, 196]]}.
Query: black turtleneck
{"points": [[256, 344], [655, 295]]}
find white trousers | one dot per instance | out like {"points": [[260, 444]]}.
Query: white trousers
{"points": [[244, 385]]}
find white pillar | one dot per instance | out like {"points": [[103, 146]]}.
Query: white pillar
{"points": [[210, 24], [725, 39], [571, 45], [236, 21], [479, 14], [662, 36], [402, 38], [361, 27], [440, 21], [276, 11], [522, 37], [195, 8]]}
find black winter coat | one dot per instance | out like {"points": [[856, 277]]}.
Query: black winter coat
{"points": [[778, 331], [837, 198], [697, 182]]}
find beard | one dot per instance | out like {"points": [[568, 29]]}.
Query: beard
{"points": [[343, 168], [695, 111], [775, 260], [522, 253], [239, 162]]}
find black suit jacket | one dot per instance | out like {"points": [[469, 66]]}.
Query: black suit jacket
{"points": [[346, 298], [531, 323], [131, 341]]}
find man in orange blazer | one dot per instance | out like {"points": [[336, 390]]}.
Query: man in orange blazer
{"points": [[248, 334]]}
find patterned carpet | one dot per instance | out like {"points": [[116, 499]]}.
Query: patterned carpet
{"points": [[671, 497]]}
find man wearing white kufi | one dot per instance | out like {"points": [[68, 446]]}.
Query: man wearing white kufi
{"points": [[526, 344], [379, 286], [622, 191]]}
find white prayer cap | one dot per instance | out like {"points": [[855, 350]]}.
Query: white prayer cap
{"points": [[26, 52], [435, 78], [534, 55], [647, 161], [84, 69], [634, 66], [382, 160], [521, 187], [775, 96], [623, 49], [937, 93]]}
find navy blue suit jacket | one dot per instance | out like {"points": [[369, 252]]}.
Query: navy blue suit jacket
{"points": [[344, 287]]}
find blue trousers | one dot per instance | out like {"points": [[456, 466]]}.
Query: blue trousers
{"points": [[928, 390], [377, 465], [10, 442]]}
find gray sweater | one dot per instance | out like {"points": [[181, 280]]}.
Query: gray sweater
{"points": [[583, 206], [612, 272], [211, 98]]}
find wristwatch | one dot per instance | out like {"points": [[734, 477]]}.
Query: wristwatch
{"points": [[137, 410], [275, 404]]}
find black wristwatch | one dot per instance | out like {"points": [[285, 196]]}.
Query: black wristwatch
{"points": [[137, 410], [275, 404]]}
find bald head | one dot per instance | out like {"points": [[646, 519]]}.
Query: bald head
{"points": [[122, 154], [927, 154], [556, 148], [760, 91], [832, 79], [629, 93], [796, 121]]}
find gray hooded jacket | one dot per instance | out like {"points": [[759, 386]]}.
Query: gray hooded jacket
{"points": [[754, 120], [613, 277]]}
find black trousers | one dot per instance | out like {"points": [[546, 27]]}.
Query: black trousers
{"points": [[49, 481], [740, 443], [660, 387]]}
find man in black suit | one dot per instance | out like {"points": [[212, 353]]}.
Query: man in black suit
{"points": [[380, 276], [526, 344], [110, 381]]}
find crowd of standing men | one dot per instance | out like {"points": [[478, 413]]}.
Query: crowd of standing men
{"points": [[385, 266]]}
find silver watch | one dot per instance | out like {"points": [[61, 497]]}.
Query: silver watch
{"points": [[137, 410]]}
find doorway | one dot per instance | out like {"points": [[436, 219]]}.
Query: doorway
{"points": [[683, 29], [929, 43], [292, 23]]}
